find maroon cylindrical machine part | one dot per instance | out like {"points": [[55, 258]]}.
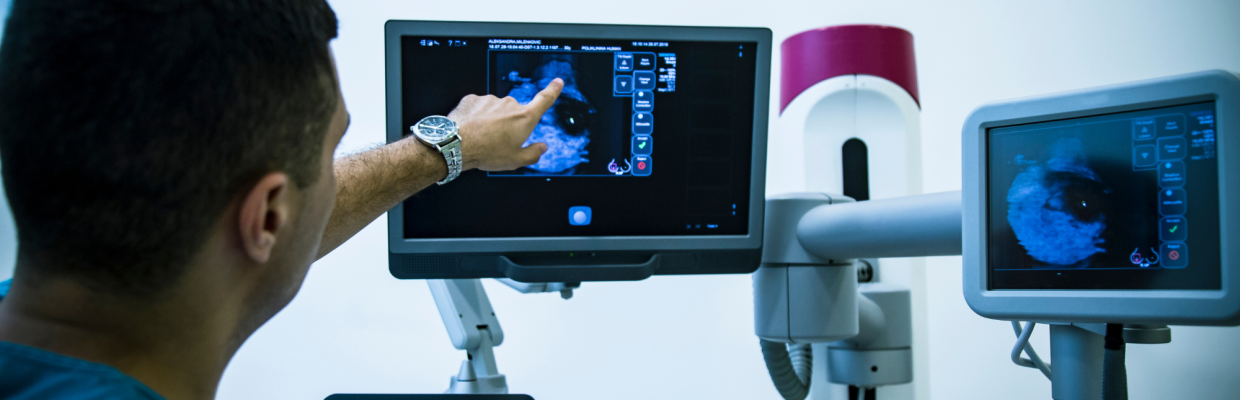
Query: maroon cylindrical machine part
{"points": [[817, 55]]}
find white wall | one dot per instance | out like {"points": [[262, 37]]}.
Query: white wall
{"points": [[355, 329]]}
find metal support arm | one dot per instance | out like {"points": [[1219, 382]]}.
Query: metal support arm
{"points": [[472, 326], [913, 226], [806, 290]]}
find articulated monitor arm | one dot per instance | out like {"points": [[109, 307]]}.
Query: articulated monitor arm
{"points": [[472, 326], [807, 290]]}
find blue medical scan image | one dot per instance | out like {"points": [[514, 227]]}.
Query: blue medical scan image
{"points": [[1068, 195], [1073, 203], [565, 128], [579, 136], [1057, 207]]}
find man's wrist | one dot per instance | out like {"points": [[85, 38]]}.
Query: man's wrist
{"points": [[429, 162], [468, 162]]}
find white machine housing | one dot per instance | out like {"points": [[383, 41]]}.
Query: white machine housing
{"points": [[802, 300], [885, 117], [875, 110]]}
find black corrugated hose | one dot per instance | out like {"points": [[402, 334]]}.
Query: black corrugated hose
{"points": [[1114, 374]]}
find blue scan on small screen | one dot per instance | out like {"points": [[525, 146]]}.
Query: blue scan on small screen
{"points": [[1102, 194], [1055, 208], [1105, 205]]}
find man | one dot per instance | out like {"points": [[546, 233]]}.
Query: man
{"points": [[169, 166]]}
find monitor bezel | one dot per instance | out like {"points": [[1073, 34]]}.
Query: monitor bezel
{"points": [[398, 244], [1179, 307]]}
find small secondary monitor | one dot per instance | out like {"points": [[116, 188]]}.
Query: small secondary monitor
{"points": [[1106, 205], [656, 151]]}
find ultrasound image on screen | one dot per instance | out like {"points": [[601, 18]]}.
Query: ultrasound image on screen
{"points": [[579, 138], [1058, 207], [1119, 201]]}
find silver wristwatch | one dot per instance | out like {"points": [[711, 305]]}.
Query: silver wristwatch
{"points": [[441, 134]]}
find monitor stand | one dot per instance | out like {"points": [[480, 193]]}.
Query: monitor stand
{"points": [[1077, 356], [472, 325]]}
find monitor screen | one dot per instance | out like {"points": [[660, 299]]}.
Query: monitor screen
{"points": [[648, 138], [1118, 201]]}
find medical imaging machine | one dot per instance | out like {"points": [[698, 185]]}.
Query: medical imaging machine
{"points": [[1102, 212]]}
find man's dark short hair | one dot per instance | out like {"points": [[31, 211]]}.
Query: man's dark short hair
{"points": [[127, 127]]}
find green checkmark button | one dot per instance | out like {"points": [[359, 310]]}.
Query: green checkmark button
{"points": [[1174, 228], [641, 145]]}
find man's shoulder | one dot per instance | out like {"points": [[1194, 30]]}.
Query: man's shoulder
{"points": [[30, 373]]}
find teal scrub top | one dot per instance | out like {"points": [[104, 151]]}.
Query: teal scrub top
{"points": [[30, 373], [27, 373]]}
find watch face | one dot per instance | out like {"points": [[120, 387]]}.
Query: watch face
{"points": [[434, 129]]}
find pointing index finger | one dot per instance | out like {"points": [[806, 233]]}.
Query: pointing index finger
{"points": [[544, 99]]}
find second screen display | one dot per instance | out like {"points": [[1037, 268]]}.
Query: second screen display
{"points": [[1118, 201]]}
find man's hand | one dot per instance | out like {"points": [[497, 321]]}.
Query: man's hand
{"points": [[493, 129]]}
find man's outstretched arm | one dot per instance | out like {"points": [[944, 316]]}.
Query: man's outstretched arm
{"points": [[492, 131]]}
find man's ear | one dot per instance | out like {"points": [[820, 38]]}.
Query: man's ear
{"points": [[264, 211]]}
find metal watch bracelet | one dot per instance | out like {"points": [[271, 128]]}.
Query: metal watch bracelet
{"points": [[452, 154]]}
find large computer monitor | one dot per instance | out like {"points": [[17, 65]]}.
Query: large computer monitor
{"points": [[1115, 204], [656, 151]]}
